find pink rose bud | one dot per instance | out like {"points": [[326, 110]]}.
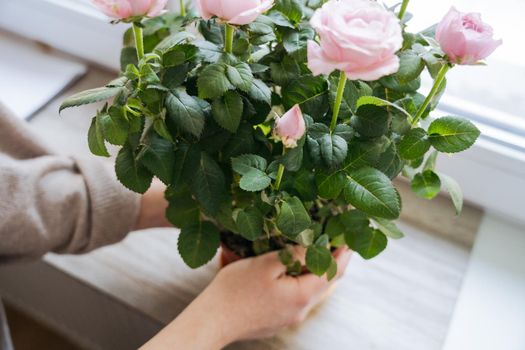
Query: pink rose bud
{"points": [[465, 38], [122, 9], [290, 127], [237, 12], [358, 37]]}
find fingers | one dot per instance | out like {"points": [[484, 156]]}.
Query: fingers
{"points": [[342, 257]]}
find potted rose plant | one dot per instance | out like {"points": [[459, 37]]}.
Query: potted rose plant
{"points": [[278, 123]]}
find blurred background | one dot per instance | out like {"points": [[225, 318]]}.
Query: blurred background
{"points": [[472, 290]]}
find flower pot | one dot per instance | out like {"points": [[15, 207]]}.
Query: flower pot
{"points": [[228, 256]]}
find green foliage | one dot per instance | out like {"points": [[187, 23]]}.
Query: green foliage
{"points": [[452, 134], [426, 184], [371, 191], [293, 217], [198, 243], [202, 121], [367, 242]]}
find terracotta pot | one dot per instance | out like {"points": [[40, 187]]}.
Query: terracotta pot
{"points": [[228, 256]]}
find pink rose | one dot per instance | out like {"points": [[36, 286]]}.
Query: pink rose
{"points": [[237, 12], [290, 127], [122, 9], [465, 38], [359, 37]]}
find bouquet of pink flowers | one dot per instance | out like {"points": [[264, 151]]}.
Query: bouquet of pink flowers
{"points": [[280, 123]]}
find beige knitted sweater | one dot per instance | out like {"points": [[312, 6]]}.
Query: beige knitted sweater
{"points": [[51, 203]]}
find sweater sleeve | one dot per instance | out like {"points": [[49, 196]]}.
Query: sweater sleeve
{"points": [[61, 204]]}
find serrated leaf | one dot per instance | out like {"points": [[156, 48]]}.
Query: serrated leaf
{"points": [[371, 121], [452, 134], [198, 243], [208, 51], [185, 112], [389, 162], [255, 180], [332, 270], [414, 144], [240, 75], [371, 191], [213, 82], [330, 185], [333, 149], [410, 66], [250, 223], [96, 141], [158, 155], [130, 172], [318, 259], [183, 210], [293, 217], [227, 111], [426, 184], [310, 93], [259, 91], [208, 184], [91, 96], [389, 228], [454, 190], [114, 126], [368, 243], [246, 162]]}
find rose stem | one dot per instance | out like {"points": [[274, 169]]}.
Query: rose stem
{"points": [[338, 100], [280, 173], [139, 40], [182, 8], [437, 83], [403, 9], [228, 38]]}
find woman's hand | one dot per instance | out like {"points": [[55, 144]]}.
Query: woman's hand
{"points": [[251, 298]]}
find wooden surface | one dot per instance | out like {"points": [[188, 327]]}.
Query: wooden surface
{"points": [[402, 300]]}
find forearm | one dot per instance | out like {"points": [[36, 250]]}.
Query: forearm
{"points": [[203, 325]]}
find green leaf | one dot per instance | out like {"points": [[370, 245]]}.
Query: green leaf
{"points": [[158, 155], [376, 101], [240, 75], [353, 91], [255, 180], [208, 184], [362, 154], [250, 223], [368, 243], [371, 191], [213, 82], [91, 96], [330, 185], [114, 126], [414, 144], [354, 220], [293, 217], [333, 149], [208, 51], [130, 172], [332, 270], [306, 238], [318, 259], [198, 243], [96, 142], [227, 111], [334, 227], [179, 54], [410, 66], [292, 9], [310, 93], [371, 121], [454, 190], [284, 71], [183, 210], [240, 143], [389, 228], [246, 162], [259, 91], [185, 112], [293, 158], [389, 162], [426, 184], [452, 134]]}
